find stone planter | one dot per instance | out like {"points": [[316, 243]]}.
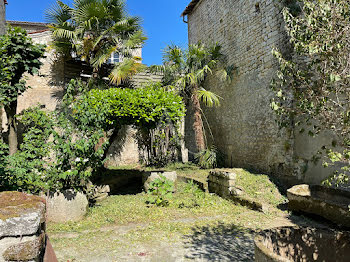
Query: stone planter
{"points": [[66, 206], [149, 177], [22, 227], [289, 244], [332, 204]]}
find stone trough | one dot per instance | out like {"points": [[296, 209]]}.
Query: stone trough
{"points": [[288, 244], [330, 203]]}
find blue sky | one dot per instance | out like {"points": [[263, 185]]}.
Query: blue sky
{"points": [[161, 21]]}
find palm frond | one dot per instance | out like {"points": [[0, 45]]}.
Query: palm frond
{"points": [[102, 56], [58, 13], [64, 33], [125, 70], [209, 98], [173, 55]]}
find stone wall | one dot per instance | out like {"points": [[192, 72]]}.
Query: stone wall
{"points": [[244, 127], [22, 227], [2, 17]]}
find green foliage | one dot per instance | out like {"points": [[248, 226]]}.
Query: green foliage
{"points": [[27, 169], [154, 110], [78, 155], [187, 72], [160, 191], [194, 189], [18, 55], [92, 30], [188, 69], [207, 158], [313, 87], [144, 107], [54, 155]]}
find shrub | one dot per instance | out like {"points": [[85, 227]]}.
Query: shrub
{"points": [[160, 191], [207, 158], [155, 111], [53, 155], [143, 107]]}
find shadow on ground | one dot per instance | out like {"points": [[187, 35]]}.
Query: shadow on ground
{"points": [[220, 243]]}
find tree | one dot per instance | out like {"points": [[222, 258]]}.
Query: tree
{"points": [[18, 55], [313, 86], [188, 70], [92, 30]]}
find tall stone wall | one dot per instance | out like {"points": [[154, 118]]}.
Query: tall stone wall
{"points": [[2, 17], [244, 127]]}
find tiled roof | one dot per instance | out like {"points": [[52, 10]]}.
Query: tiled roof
{"points": [[190, 7], [27, 23]]}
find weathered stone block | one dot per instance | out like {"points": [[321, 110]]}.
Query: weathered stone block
{"points": [[66, 206], [149, 177], [223, 175], [20, 214], [25, 249], [223, 184], [288, 244], [330, 203]]}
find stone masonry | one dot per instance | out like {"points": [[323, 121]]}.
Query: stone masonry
{"points": [[244, 127], [22, 227], [2, 17], [223, 183]]}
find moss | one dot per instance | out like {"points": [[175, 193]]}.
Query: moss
{"points": [[28, 250], [13, 204]]}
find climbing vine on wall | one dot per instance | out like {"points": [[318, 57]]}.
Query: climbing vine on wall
{"points": [[313, 88]]}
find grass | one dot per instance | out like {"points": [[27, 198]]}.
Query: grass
{"points": [[123, 222], [257, 186], [132, 209]]}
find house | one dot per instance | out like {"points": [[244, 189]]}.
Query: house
{"points": [[244, 127], [47, 87]]}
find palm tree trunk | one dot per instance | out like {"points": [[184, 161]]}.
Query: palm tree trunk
{"points": [[12, 126], [198, 122]]}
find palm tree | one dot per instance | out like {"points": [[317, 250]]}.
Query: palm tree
{"points": [[187, 71], [92, 30]]}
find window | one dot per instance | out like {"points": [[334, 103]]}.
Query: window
{"points": [[115, 58]]}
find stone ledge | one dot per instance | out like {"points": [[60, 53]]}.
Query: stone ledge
{"points": [[222, 174], [330, 203], [20, 214]]}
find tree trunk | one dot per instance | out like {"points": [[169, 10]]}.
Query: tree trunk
{"points": [[198, 122], [12, 126]]}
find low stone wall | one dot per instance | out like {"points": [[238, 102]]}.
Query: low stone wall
{"points": [[330, 203], [22, 227], [223, 184], [288, 244]]}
